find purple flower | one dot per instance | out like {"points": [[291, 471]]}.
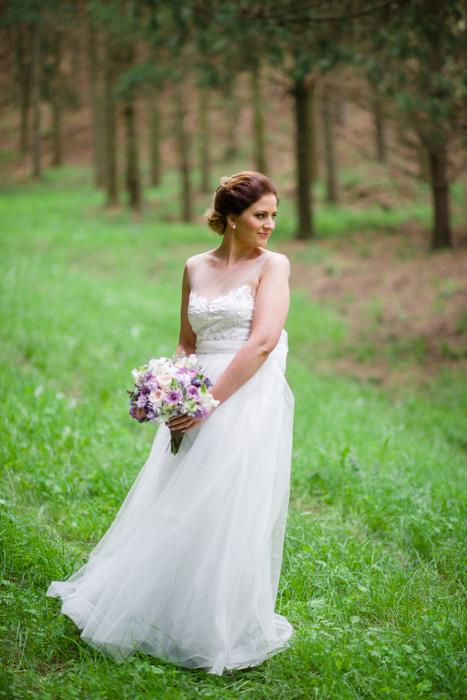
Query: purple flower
{"points": [[173, 397], [132, 412], [201, 412], [207, 382], [183, 377], [196, 381], [192, 392], [141, 402]]}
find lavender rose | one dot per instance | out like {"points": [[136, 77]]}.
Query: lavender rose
{"points": [[193, 392], [174, 397]]}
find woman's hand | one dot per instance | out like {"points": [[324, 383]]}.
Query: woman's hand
{"points": [[185, 423]]}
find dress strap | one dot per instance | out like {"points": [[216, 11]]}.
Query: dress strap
{"points": [[210, 281]]}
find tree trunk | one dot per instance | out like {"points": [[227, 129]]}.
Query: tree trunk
{"points": [[380, 134], [204, 138], [233, 114], [436, 138], [133, 181], [302, 124], [97, 111], [110, 127], [76, 43], [313, 139], [183, 151], [56, 96], [423, 162], [23, 79], [36, 99], [154, 140], [332, 193], [259, 139], [440, 193]]}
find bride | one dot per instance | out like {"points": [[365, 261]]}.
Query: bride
{"points": [[188, 572]]}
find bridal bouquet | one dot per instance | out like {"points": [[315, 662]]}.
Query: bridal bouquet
{"points": [[168, 388]]}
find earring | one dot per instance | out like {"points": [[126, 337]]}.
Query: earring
{"points": [[234, 225]]}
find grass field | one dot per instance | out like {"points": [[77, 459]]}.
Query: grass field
{"points": [[374, 574]]}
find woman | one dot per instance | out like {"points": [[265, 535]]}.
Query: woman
{"points": [[188, 572]]}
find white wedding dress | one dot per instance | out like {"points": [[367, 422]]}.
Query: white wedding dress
{"points": [[188, 571]]}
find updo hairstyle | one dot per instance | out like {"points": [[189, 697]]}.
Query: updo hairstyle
{"points": [[235, 194]]}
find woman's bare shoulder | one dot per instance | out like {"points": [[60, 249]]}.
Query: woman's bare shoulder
{"points": [[199, 258], [276, 261]]}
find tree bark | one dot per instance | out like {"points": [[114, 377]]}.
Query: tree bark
{"points": [[23, 76], [77, 41], [435, 139], [97, 111], [56, 97], [204, 160], [302, 124], [380, 132], [440, 193], [423, 162], [233, 114], [110, 127], [313, 128], [183, 152], [332, 190], [154, 140], [133, 181], [36, 99], [259, 139]]}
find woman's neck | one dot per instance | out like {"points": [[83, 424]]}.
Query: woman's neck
{"points": [[232, 252]]}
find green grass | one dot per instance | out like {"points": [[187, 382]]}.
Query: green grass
{"points": [[374, 575]]}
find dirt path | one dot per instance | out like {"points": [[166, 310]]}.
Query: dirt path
{"points": [[392, 289]]}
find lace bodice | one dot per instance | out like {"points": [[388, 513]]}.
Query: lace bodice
{"points": [[226, 317], [222, 300]]}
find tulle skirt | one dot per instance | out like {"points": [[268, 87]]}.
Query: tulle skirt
{"points": [[188, 572]]}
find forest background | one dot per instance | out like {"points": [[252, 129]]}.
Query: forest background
{"points": [[117, 120]]}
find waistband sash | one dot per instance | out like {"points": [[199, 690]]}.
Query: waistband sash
{"points": [[206, 347]]}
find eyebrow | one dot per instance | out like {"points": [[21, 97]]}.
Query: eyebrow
{"points": [[265, 211]]}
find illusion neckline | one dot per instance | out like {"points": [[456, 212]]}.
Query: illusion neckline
{"points": [[222, 296], [267, 254]]}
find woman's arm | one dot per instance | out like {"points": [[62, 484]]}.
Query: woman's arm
{"points": [[271, 307], [187, 339]]}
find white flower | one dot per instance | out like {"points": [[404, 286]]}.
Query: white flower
{"points": [[191, 361], [137, 375], [164, 380], [159, 366]]}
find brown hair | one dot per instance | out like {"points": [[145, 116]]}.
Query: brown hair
{"points": [[235, 194]]}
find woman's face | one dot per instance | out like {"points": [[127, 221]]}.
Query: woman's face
{"points": [[254, 225]]}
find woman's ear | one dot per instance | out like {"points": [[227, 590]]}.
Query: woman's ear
{"points": [[231, 221]]}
